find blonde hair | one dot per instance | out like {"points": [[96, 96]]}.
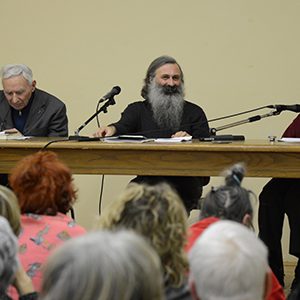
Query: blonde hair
{"points": [[9, 208], [157, 213]]}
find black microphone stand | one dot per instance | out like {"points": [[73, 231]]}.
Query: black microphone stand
{"points": [[103, 108], [215, 137]]}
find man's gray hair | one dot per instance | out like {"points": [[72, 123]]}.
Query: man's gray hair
{"points": [[228, 261], [9, 71], [8, 255], [155, 64], [104, 265]]}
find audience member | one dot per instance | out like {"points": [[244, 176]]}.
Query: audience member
{"points": [[164, 113], [9, 209], [230, 202], [45, 192], [10, 270], [229, 262], [157, 213], [104, 265]]}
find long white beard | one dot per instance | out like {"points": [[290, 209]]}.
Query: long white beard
{"points": [[167, 108]]}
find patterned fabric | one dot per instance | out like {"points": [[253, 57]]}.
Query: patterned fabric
{"points": [[40, 234]]}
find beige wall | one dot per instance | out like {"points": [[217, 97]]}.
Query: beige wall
{"points": [[236, 55]]}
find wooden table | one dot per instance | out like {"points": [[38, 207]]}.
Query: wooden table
{"points": [[262, 158]]}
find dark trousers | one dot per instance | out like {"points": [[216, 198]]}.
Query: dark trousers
{"points": [[4, 179], [279, 196], [188, 188]]}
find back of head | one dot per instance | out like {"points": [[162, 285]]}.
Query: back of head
{"points": [[9, 209], [228, 262], [9, 71], [155, 64], [43, 184], [104, 265], [230, 201], [157, 213], [8, 255]]}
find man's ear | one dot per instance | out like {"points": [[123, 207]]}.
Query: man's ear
{"points": [[33, 85], [193, 290], [268, 284], [247, 220]]}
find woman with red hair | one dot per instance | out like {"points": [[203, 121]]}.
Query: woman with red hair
{"points": [[45, 191]]}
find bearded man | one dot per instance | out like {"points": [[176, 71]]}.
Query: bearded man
{"points": [[164, 113]]}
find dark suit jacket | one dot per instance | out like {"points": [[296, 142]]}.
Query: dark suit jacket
{"points": [[47, 116]]}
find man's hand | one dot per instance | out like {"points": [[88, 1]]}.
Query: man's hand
{"points": [[105, 131], [180, 134], [12, 131]]}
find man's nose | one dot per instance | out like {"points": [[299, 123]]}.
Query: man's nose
{"points": [[171, 82], [14, 98]]}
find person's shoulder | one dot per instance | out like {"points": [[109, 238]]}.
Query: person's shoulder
{"points": [[2, 97], [137, 105], [48, 97], [193, 107], [191, 104]]}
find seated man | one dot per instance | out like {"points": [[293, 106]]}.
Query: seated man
{"points": [[281, 196], [164, 113], [228, 261], [31, 111]]}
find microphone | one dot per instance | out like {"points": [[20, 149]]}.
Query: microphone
{"points": [[281, 107], [111, 101], [114, 91]]}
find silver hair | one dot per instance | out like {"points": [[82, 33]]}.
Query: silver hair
{"points": [[8, 255], [167, 109], [228, 261], [9, 71], [104, 265]]}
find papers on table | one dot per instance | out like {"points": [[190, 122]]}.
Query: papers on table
{"points": [[127, 139], [6, 135], [174, 139], [143, 139], [289, 140]]}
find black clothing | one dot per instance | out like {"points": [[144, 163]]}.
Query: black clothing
{"points": [[281, 196], [137, 118]]}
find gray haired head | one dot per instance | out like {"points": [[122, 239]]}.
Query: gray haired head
{"points": [[229, 201], [157, 63], [8, 255], [104, 265], [9, 71]]}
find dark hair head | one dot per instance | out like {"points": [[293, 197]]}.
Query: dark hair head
{"points": [[43, 184], [157, 63], [230, 201]]}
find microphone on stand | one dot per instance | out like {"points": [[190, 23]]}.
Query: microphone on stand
{"points": [[213, 131], [110, 101], [114, 91], [282, 107]]}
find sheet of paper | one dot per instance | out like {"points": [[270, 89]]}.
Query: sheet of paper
{"points": [[289, 140], [174, 139]]}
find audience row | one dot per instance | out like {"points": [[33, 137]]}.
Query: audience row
{"points": [[141, 247]]}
